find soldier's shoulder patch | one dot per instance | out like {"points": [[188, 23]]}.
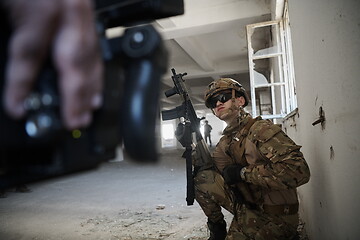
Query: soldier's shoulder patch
{"points": [[262, 131]]}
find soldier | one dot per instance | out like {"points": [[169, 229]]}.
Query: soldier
{"points": [[256, 170], [207, 132]]}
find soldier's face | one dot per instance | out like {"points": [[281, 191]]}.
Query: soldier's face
{"points": [[228, 110]]}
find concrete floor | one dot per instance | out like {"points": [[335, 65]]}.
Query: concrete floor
{"points": [[119, 200]]}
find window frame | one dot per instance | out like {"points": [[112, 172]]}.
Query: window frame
{"points": [[281, 80]]}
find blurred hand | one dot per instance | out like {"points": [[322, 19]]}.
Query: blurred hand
{"points": [[66, 30]]}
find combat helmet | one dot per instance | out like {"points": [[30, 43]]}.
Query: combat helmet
{"points": [[225, 84]]}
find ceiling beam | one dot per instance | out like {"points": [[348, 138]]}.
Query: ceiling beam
{"points": [[212, 11], [196, 52], [199, 29], [191, 47]]}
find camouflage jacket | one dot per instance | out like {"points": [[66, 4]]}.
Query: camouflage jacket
{"points": [[274, 164]]}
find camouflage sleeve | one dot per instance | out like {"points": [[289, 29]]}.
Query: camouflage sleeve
{"points": [[284, 166]]}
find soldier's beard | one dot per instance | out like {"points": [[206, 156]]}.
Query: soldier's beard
{"points": [[224, 115], [233, 112], [229, 114]]}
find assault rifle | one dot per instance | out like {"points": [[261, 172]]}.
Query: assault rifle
{"points": [[38, 147], [188, 133]]}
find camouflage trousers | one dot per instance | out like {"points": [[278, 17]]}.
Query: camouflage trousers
{"points": [[213, 195]]}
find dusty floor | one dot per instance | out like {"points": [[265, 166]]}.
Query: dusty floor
{"points": [[119, 200]]}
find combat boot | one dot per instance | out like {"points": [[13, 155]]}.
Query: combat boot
{"points": [[217, 230]]}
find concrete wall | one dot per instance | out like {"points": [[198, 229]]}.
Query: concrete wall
{"points": [[326, 44]]}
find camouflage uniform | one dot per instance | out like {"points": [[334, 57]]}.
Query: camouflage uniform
{"points": [[265, 203]]}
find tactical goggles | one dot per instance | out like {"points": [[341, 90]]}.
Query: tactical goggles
{"points": [[222, 97]]}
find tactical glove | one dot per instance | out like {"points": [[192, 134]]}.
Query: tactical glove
{"points": [[231, 174]]}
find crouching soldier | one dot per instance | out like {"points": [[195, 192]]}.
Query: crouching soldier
{"points": [[256, 171]]}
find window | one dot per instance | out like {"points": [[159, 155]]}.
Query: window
{"points": [[168, 134], [272, 79]]}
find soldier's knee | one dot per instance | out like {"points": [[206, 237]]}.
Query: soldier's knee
{"points": [[205, 177], [209, 182]]}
